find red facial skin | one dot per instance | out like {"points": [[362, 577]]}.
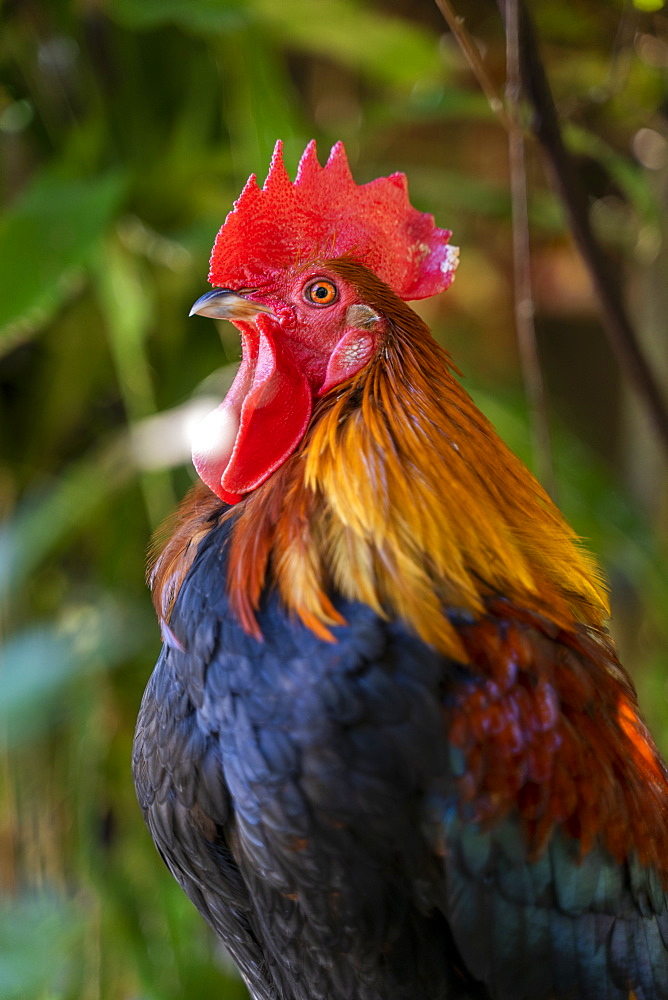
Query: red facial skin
{"points": [[290, 357], [276, 241]]}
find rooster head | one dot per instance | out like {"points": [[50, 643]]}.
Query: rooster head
{"points": [[304, 329]]}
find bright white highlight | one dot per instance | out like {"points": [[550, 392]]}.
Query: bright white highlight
{"points": [[165, 439], [213, 439], [450, 261]]}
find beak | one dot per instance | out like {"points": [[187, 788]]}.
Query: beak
{"points": [[222, 303]]}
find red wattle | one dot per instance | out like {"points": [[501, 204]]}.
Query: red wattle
{"points": [[274, 415], [259, 423]]}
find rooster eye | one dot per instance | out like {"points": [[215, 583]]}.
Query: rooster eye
{"points": [[320, 293]]}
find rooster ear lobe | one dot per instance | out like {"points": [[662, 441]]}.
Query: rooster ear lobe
{"points": [[352, 353]]}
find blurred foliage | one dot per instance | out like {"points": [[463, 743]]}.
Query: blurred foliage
{"points": [[127, 128]]}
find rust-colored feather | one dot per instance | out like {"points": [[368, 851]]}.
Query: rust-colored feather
{"points": [[552, 729], [174, 546]]}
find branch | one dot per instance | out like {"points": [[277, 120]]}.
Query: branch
{"points": [[545, 126], [523, 291], [608, 287], [471, 52]]}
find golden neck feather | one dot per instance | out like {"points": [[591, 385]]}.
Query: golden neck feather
{"points": [[403, 496]]}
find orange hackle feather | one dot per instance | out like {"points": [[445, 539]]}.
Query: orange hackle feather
{"points": [[174, 546], [403, 496]]}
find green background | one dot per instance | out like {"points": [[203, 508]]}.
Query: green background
{"points": [[127, 128]]}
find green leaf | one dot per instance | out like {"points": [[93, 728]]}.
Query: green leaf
{"points": [[262, 104], [386, 47], [201, 16], [127, 310], [44, 239], [389, 48]]}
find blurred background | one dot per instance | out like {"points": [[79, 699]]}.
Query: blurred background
{"points": [[127, 128]]}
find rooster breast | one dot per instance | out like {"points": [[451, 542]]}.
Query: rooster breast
{"points": [[284, 781], [308, 796]]}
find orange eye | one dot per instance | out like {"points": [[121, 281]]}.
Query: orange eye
{"points": [[320, 292]]}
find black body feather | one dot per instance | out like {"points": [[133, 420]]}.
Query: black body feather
{"points": [[303, 794]]}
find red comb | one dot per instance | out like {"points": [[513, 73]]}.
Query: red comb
{"points": [[325, 214]]}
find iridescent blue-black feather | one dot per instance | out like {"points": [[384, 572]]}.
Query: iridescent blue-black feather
{"points": [[307, 796]]}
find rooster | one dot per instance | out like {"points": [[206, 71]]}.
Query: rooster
{"points": [[388, 750]]}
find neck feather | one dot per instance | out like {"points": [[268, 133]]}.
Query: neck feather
{"points": [[403, 496]]}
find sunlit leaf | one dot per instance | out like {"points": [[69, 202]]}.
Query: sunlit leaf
{"points": [[372, 42], [648, 5]]}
